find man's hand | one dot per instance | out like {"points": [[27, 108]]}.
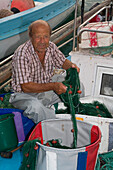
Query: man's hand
{"points": [[68, 64], [75, 66], [59, 88]]}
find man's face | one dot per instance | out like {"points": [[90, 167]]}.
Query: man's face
{"points": [[40, 38]]}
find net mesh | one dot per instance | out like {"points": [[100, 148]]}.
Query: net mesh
{"points": [[29, 155], [93, 109], [73, 104], [4, 101]]}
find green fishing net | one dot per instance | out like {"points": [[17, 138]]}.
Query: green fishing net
{"points": [[105, 161], [29, 155], [4, 101], [102, 50], [93, 109], [6, 89], [56, 143], [71, 97], [73, 106], [67, 98]]}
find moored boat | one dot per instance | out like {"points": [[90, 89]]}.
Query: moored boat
{"points": [[89, 76], [94, 56], [14, 28]]}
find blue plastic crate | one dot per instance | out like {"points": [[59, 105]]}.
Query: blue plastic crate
{"points": [[28, 124]]}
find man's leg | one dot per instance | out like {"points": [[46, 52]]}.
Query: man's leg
{"points": [[49, 98], [32, 106], [37, 106]]}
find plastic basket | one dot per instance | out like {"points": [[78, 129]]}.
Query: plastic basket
{"points": [[83, 157], [105, 124]]}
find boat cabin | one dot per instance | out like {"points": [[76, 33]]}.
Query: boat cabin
{"points": [[94, 56], [96, 73]]}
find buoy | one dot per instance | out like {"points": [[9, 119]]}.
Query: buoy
{"points": [[21, 5]]}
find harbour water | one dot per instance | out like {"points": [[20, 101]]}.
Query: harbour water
{"points": [[90, 3], [68, 47]]}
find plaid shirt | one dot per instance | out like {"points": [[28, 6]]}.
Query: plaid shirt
{"points": [[26, 66]]}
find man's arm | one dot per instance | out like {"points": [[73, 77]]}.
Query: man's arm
{"points": [[68, 64], [32, 87]]}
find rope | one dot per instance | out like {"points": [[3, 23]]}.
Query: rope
{"points": [[102, 50], [105, 161]]}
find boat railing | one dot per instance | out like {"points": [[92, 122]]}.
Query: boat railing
{"points": [[103, 8], [81, 28], [5, 69]]}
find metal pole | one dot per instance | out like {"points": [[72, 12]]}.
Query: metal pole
{"points": [[75, 25], [82, 11], [2, 62]]}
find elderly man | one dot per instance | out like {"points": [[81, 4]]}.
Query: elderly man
{"points": [[33, 63]]}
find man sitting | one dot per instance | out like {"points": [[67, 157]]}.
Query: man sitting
{"points": [[33, 81]]}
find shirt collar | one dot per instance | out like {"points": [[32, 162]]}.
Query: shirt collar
{"points": [[32, 48]]}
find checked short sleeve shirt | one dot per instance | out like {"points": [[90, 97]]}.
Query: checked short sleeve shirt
{"points": [[26, 66]]}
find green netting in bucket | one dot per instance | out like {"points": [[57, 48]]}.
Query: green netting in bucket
{"points": [[8, 134], [48, 158]]}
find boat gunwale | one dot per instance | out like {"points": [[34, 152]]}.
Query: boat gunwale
{"points": [[22, 26]]}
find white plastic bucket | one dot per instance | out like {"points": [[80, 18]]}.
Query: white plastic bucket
{"points": [[83, 157], [105, 124]]}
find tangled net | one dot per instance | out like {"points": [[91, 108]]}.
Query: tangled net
{"points": [[73, 104], [93, 109]]}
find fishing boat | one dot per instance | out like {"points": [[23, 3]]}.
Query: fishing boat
{"points": [[94, 57], [96, 75], [14, 28]]}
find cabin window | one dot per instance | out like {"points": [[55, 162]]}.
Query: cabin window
{"points": [[104, 82], [106, 85]]}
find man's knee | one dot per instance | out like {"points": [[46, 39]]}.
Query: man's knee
{"points": [[35, 105], [38, 112], [33, 108]]}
